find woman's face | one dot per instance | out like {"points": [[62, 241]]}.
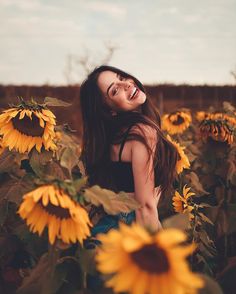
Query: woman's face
{"points": [[119, 93]]}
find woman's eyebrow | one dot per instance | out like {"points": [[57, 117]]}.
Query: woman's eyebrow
{"points": [[117, 75]]}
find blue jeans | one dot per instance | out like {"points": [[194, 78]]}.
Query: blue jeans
{"points": [[106, 223]]}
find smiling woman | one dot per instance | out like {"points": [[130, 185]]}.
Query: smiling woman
{"points": [[124, 148]]}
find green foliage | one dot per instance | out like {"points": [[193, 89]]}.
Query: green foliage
{"points": [[52, 102], [178, 221], [63, 268], [112, 202], [212, 178]]}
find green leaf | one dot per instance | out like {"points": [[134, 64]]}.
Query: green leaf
{"points": [[213, 212], [68, 277], [68, 151], [205, 218], [59, 277], [80, 183], [210, 286], [39, 160], [35, 281], [45, 167], [195, 183], [201, 258], [53, 171], [69, 158], [87, 260], [6, 161], [49, 101], [205, 266], [202, 205], [70, 188], [13, 190], [113, 203], [178, 221], [206, 240]]}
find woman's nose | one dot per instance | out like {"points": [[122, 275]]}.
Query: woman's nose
{"points": [[125, 84]]}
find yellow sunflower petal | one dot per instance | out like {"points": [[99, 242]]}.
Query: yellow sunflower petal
{"points": [[39, 143], [22, 114], [52, 196], [48, 113], [53, 228], [177, 236], [42, 222]]}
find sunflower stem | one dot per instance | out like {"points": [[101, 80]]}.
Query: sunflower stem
{"points": [[225, 208], [53, 254], [53, 257], [84, 280], [193, 233]]}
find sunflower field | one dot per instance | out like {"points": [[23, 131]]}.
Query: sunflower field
{"points": [[47, 211]]}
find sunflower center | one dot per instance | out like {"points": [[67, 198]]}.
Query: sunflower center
{"points": [[58, 211], [27, 126], [151, 258], [178, 121]]}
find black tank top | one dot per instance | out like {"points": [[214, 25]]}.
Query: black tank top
{"points": [[122, 172]]}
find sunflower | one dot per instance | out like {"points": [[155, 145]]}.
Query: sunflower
{"points": [[183, 161], [181, 203], [231, 120], [26, 126], [201, 115], [1, 146], [49, 206], [223, 116], [176, 122], [138, 262], [217, 129]]}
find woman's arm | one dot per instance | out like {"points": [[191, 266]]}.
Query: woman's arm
{"points": [[144, 182]]}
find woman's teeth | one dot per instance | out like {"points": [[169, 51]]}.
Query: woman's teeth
{"points": [[133, 93]]}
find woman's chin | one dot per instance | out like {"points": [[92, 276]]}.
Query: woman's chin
{"points": [[142, 98]]}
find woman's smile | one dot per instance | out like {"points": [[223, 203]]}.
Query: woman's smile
{"points": [[134, 93]]}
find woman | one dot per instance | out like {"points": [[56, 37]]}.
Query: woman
{"points": [[124, 148]]}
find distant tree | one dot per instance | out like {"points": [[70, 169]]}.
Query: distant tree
{"points": [[233, 73], [68, 70], [79, 66]]}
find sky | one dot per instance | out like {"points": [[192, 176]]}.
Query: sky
{"points": [[158, 41]]}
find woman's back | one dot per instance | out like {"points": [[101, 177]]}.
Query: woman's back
{"points": [[121, 164]]}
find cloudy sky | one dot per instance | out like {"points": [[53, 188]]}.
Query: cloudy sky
{"points": [[179, 41]]}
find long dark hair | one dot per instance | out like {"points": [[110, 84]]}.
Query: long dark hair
{"points": [[101, 129]]}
